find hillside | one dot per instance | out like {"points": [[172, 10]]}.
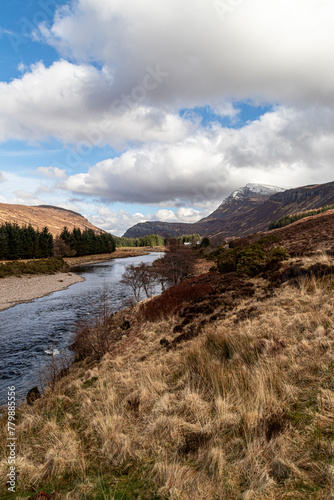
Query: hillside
{"points": [[305, 236], [54, 218], [172, 229], [222, 387], [248, 210]]}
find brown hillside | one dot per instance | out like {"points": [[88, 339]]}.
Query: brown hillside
{"points": [[53, 217], [306, 236]]}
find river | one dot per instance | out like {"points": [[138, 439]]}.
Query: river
{"points": [[28, 330]]}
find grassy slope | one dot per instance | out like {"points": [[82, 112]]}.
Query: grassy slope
{"points": [[243, 411]]}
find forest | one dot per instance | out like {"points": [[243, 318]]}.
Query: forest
{"points": [[26, 242], [29, 243]]}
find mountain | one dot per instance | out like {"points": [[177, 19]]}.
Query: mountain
{"points": [[247, 210], [239, 213], [156, 227], [55, 218], [228, 213]]}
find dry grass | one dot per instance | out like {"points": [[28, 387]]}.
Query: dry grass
{"points": [[244, 411]]}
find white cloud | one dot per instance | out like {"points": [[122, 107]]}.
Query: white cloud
{"points": [[22, 67], [43, 188], [118, 221], [156, 173], [77, 104], [227, 109], [52, 172], [26, 198], [284, 147], [264, 49], [2, 177], [277, 50]]}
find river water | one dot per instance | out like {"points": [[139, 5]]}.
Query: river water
{"points": [[28, 330]]}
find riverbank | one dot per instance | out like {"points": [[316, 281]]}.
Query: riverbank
{"points": [[120, 253], [16, 290]]}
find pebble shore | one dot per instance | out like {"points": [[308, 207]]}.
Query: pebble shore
{"points": [[15, 290]]}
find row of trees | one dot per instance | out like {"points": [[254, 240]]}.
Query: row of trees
{"points": [[289, 219], [77, 242], [28, 243], [24, 242], [177, 263], [156, 240], [153, 240]]}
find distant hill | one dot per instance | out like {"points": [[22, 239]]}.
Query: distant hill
{"points": [[247, 210], [55, 218]]}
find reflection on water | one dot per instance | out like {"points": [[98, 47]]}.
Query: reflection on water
{"points": [[28, 330]]}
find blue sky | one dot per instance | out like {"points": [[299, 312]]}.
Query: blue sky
{"points": [[19, 20], [129, 112]]}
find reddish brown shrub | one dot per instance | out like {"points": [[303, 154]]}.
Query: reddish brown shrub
{"points": [[171, 301]]}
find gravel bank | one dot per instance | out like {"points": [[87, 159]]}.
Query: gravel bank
{"points": [[15, 290]]}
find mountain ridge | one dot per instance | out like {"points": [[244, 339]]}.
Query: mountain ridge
{"points": [[247, 210]]}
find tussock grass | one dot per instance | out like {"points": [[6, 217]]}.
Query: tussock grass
{"points": [[243, 411]]}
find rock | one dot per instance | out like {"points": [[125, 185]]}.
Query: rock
{"points": [[32, 395]]}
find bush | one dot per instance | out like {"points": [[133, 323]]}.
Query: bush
{"points": [[205, 243], [251, 260], [170, 301], [268, 241], [227, 261], [278, 254], [94, 338], [275, 256]]}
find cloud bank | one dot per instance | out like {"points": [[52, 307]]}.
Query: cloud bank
{"points": [[285, 147], [126, 69]]}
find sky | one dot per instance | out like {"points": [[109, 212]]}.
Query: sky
{"points": [[129, 111]]}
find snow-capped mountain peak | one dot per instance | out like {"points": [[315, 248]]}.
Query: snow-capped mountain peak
{"points": [[254, 189]]}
